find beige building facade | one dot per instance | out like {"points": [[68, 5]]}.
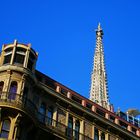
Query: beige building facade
{"points": [[34, 106]]}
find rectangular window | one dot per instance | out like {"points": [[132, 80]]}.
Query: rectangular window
{"points": [[49, 116], [77, 130], [19, 59], [7, 55], [96, 134], [19, 55], [70, 127], [7, 59]]}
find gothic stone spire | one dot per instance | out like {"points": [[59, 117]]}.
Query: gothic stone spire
{"points": [[98, 91]]}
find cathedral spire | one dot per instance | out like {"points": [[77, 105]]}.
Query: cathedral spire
{"points": [[98, 91]]}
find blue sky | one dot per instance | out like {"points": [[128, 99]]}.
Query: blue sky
{"points": [[62, 31]]}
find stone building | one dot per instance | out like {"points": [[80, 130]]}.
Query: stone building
{"points": [[34, 106]]}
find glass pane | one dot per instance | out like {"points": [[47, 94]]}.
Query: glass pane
{"points": [[70, 123], [77, 126], [6, 125], [50, 114], [42, 109], [96, 136], [7, 59], [19, 58], [4, 134], [103, 136], [13, 90]]}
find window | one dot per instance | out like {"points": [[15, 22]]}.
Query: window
{"points": [[13, 90], [19, 56], [31, 61], [49, 116], [70, 127], [42, 111], [77, 129], [103, 136], [96, 134], [1, 87], [5, 129], [7, 56]]}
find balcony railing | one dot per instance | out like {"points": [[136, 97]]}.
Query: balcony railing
{"points": [[61, 128], [22, 102], [18, 101]]}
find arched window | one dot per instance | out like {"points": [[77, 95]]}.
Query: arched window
{"points": [[13, 90], [42, 112], [1, 87], [5, 129]]}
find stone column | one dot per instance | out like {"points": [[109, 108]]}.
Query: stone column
{"points": [[82, 122], [67, 118], [138, 132], [74, 122], [93, 131], [7, 84], [54, 116], [107, 116], [13, 52], [107, 136], [15, 133], [69, 95], [26, 58], [14, 127], [93, 108], [129, 128], [100, 132], [83, 103], [11, 131], [58, 89], [116, 121]]}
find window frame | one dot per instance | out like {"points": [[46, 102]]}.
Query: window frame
{"points": [[5, 130]]}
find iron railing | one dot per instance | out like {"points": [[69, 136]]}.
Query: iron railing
{"points": [[61, 128], [23, 102], [18, 101]]}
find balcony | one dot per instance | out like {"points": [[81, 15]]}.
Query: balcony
{"points": [[21, 103], [16, 101], [60, 128]]}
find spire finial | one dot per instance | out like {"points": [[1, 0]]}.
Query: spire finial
{"points": [[99, 31], [99, 26]]}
